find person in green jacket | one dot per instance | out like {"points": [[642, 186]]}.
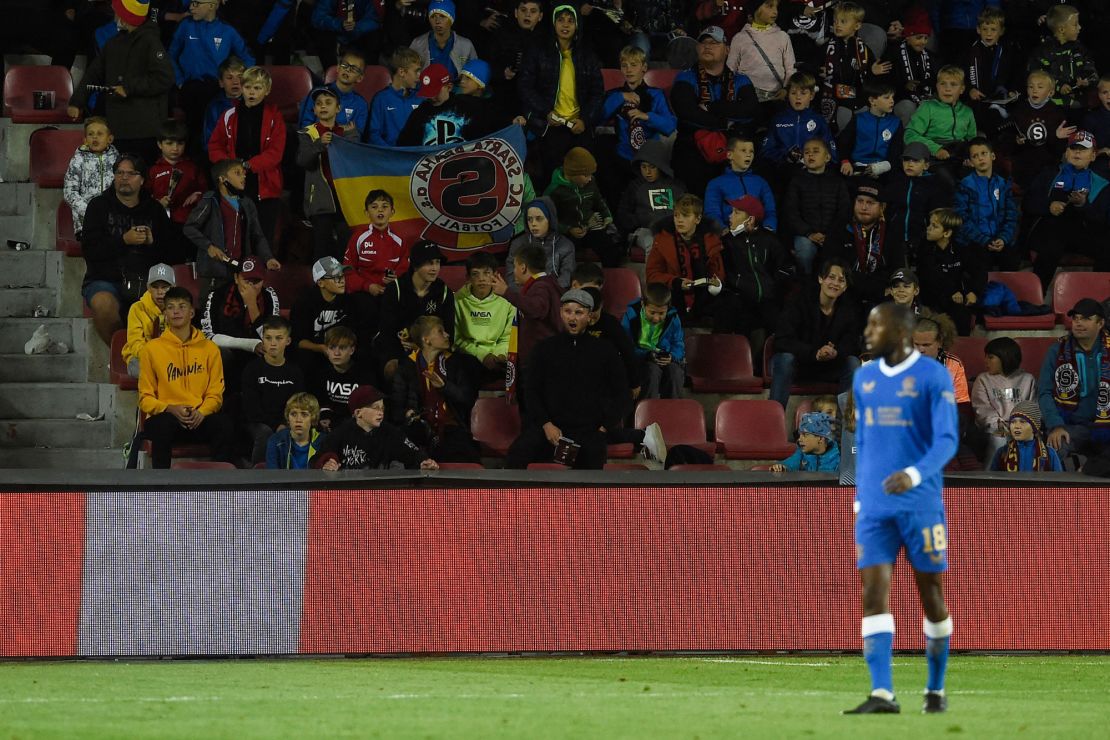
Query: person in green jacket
{"points": [[944, 125], [582, 212], [483, 319]]}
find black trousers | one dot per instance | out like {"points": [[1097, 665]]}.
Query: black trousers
{"points": [[163, 430], [532, 447]]}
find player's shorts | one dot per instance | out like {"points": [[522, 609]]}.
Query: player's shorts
{"points": [[924, 534]]}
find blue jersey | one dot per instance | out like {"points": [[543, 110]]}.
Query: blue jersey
{"points": [[905, 420]]}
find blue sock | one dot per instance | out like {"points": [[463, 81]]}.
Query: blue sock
{"points": [[878, 651], [936, 651]]}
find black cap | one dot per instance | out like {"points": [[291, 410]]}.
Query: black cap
{"points": [[424, 252], [1087, 307], [870, 190], [904, 275]]}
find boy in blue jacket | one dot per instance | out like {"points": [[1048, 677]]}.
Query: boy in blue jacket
{"points": [[200, 45], [354, 111], [871, 143], [737, 182], [817, 451], [392, 106], [641, 112], [793, 127], [659, 343], [985, 202]]}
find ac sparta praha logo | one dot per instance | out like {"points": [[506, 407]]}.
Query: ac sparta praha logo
{"points": [[473, 188]]}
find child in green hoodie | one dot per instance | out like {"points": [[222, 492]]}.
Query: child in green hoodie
{"points": [[582, 212], [944, 125], [483, 319]]}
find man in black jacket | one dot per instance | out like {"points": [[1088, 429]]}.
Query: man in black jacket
{"points": [[576, 390], [559, 121], [818, 336], [865, 246], [126, 233], [367, 442]]}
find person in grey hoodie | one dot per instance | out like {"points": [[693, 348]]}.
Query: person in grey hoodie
{"points": [[543, 232], [649, 197]]}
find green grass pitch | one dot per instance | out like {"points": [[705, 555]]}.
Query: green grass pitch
{"points": [[1065, 696]]}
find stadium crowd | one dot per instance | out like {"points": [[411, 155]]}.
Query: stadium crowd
{"points": [[804, 162]]}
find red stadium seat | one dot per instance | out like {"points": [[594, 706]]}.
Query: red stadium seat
{"points": [[612, 78], [185, 277], [752, 430], [693, 467], [454, 276], [721, 363], [970, 350], [460, 466], [662, 78], [495, 424], [1069, 287], [65, 240], [20, 84], [200, 465], [760, 468], [292, 84], [622, 286], [1033, 351], [620, 451], [804, 407], [547, 466], [1026, 287], [51, 150], [374, 80], [289, 282], [117, 369], [798, 388], [681, 419], [625, 466]]}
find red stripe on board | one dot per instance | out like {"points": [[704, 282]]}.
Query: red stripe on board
{"points": [[42, 543], [603, 569]]}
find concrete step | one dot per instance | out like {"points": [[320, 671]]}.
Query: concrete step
{"points": [[23, 301], [55, 433], [30, 268], [55, 400], [61, 458], [14, 333], [20, 227], [23, 368], [16, 199]]}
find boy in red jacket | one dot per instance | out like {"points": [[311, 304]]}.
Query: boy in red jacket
{"points": [[261, 157], [376, 256], [176, 182]]}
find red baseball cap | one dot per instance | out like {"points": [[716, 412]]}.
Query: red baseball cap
{"points": [[252, 269], [750, 205], [433, 79]]}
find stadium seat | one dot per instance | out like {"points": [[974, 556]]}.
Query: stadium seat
{"points": [[289, 282], [693, 467], [65, 240], [721, 363], [1069, 287], [804, 407], [620, 451], [117, 369], [292, 84], [752, 430], [760, 468], [200, 465], [1033, 351], [625, 466], [1026, 287], [798, 388], [374, 80], [50, 152], [460, 466], [662, 79], [454, 275], [970, 350], [20, 84], [547, 466], [612, 78], [622, 286], [185, 277], [681, 419], [495, 424]]}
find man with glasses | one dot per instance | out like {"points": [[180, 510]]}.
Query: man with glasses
{"points": [[126, 232], [354, 111]]}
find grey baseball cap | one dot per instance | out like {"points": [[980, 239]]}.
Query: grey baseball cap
{"points": [[162, 272], [581, 297]]}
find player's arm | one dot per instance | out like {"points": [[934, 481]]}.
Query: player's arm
{"points": [[946, 432]]}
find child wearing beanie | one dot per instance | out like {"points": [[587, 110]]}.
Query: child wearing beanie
{"points": [[1026, 451], [817, 449], [582, 212]]}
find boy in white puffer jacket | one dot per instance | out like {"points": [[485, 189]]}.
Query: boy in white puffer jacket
{"points": [[90, 171]]}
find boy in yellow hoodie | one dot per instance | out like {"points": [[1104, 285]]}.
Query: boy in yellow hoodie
{"points": [[144, 319], [181, 386]]}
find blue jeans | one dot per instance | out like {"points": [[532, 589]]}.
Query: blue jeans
{"points": [[784, 365], [805, 252]]}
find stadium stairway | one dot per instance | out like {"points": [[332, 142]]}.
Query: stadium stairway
{"points": [[42, 396]]}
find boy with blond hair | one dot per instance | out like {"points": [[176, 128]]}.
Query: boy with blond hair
{"points": [[293, 447], [90, 170], [849, 64], [944, 124], [1063, 57], [261, 157], [392, 106]]}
